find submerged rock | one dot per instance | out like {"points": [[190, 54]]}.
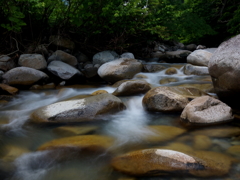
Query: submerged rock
{"points": [[155, 162], [119, 69], [74, 130], [132, 87], [169, 99], [206, 110], [201, 142], [89, 143], [85, 109], [24, 76]]}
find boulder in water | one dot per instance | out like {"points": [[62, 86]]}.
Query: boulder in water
{"points": [[79, 110], [119, 69], [200, 57]]}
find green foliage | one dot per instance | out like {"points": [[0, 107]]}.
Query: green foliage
{"points": [[117, 21]]}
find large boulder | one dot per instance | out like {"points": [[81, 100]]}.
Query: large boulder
{"points": [[132, 87], [104, 56], [224, 68], [35, 61], [64, 57], [200, 57], [63, 70], [119, 69], [79, 110], [62, 42], [195, 70], [206, 110], [23, 76], [155, 162], [6, 63], [167, 99]]}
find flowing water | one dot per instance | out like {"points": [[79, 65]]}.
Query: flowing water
{"points": [[128, 127]]}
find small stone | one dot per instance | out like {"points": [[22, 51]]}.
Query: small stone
{"points": [[171, 71], [99, 92]]}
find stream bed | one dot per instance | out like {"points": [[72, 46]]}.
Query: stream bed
{"points": [[19, 139]]}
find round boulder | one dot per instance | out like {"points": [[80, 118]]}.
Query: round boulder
{"points": [[63, 70], [167, 99], [104, 56], [23, 76], [199, 57], [224, 68], [35, 61], [127, 55], [119, 69], [64, 57], [79, 110], [206, 110], [132, 87]]}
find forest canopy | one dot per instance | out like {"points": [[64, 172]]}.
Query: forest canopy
{"points": [[119, 24]]}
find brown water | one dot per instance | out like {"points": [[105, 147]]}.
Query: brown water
{"points": [[128, 128]]}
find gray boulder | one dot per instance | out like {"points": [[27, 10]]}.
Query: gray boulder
{"points": [[6, 63], [35, 61], [206, 110], [62, 42], [63, 70], [90, 108], [195, 70], [191, 47], [132, 87], [119, 69], [23, 76], [224, 68], [90, 70], [200, 57], [104, 56], [64, 57], [127, 55]]}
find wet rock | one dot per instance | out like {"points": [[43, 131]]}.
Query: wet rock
{"points": [[127, 55], [169, 99], [155, 162], [119, 69], [85, 109], [206, 87], [200, 57], [161, 133], [35, 61], [153, 67], [206, 110], [168, 80], [46, 86], [24, 76], [4, 88], [13, 152], [64, 57], [6, 63], [63, 70], [191, 47], [99, 92], [62, 42], [218, 132], [171, 71], [176, 146], [234, 150], [201, 142], [224, 68], [195, 70], [74, 130], [140, 76], [89, 143], [132, 87], [104, 56]]}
